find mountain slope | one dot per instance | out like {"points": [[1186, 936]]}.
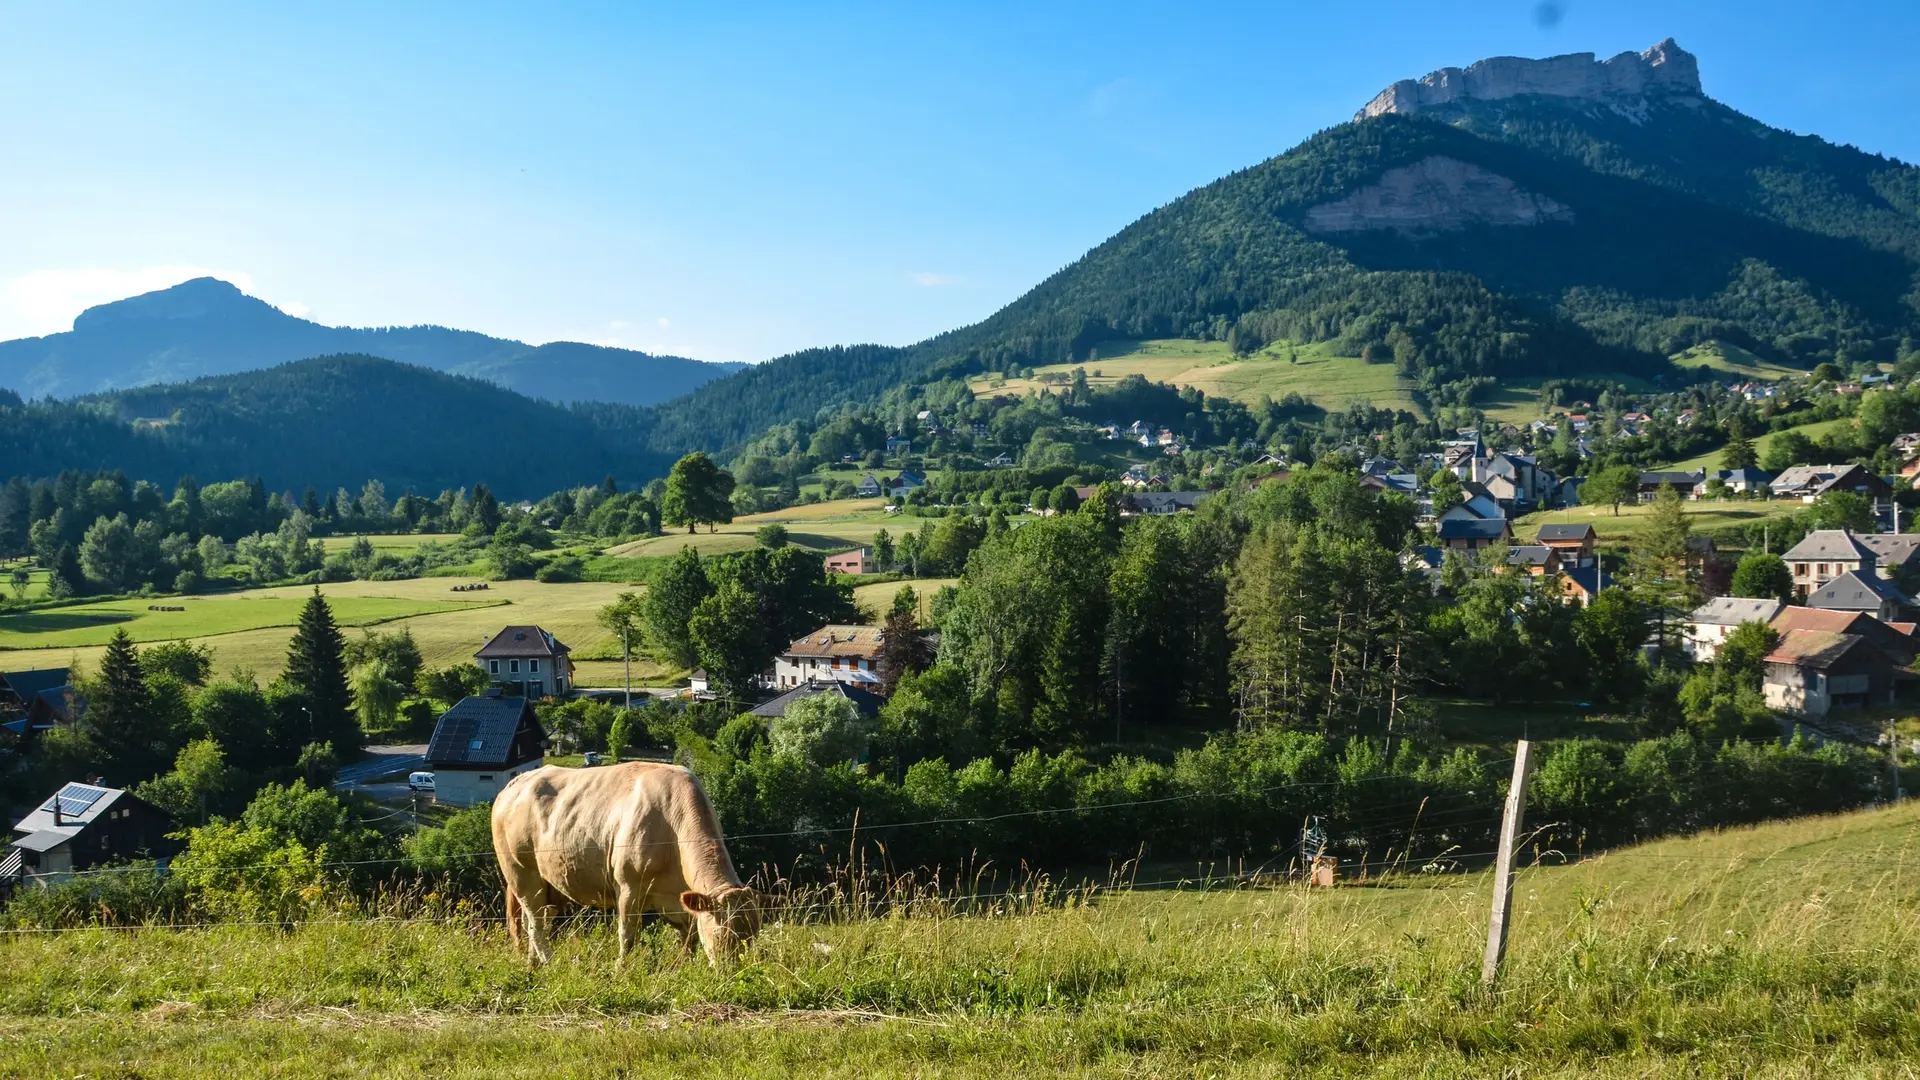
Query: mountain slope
{"points": [[208, 327], [331, 421], [1522, 217]]}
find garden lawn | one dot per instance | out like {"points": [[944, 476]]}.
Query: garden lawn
{"points": [[1784, 950]]}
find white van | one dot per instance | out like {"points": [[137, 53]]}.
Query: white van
{"points": [[420, 781]]}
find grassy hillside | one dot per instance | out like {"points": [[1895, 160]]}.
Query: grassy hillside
{"points": [[824, 527], [1784, 950], [203, 616]]}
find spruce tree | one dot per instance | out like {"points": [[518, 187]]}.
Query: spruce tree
{"points": [[317, 666], [120, 711]]}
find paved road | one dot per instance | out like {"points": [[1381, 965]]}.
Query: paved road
{"points": [[380, 763]]}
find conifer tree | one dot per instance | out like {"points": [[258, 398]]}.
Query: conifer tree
{"points": [[120, 711], [317, 667]]}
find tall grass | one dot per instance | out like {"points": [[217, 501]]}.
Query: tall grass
{"points": [[1783, 949]]}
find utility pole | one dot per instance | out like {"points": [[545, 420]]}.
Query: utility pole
{"points": [[626, 655], [1503, 865]]}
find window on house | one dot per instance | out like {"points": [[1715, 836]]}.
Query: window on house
{"points": [[1823, 569], [493, 667], [513, 667], [533, 665], [1800, 569], [476, 744]]}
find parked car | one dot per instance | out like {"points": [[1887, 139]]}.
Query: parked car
{"points": [[420, 781], [593, 757]]}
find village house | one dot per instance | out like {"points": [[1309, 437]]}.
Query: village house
{"points": [[1683, 482], [1163, 502], [1000, 461], [1861, 591], [1538, 560], [1472, 534], [1738, 481], [868, 487], [1894, 553], [899, 444], [528, 661], [857, 561], [1582, 584], [1812, 672], [1711, 622], [82, 826], [865, 700], [1826, 554], [1476, 504], [1574, 542], [1809, 482], [832, 654], [37, 701], [905, 484], [1894, 639], [482, 743]]}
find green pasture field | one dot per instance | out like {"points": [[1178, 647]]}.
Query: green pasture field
{"points": [[392, 542], [1711, 459], [1727, 357], [824, 527], [878, 597], [1328, 381], [448, 626], [199, 617], [1780, 951], [1704, 515]]}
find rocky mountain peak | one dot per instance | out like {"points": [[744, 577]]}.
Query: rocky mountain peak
{"points": [[1665, 69]]}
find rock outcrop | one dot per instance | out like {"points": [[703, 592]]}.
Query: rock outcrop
{"points": [[1436, 194], [1666, 69]]}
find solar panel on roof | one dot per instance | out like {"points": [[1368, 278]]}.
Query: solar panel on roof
{"points": [[75, 799]]}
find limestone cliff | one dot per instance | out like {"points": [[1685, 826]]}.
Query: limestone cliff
{"points": [[1436, 194], [1666, 69]]}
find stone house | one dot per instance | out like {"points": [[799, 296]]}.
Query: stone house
{"points": [[1813, 672], [1826, 554]]}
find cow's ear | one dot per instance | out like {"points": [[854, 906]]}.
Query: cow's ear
{"points": [[698, 902]]}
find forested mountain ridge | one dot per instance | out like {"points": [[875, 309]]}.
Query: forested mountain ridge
{"points": [[330, 421], [208, 327], [1531, 234]]}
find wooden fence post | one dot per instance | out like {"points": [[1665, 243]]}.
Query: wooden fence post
{"points": [[1503, 867]]}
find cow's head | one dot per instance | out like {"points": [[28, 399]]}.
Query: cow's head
{"points": [[727, 920]]}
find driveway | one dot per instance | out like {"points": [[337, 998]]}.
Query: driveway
{"points": [[380, 763]]}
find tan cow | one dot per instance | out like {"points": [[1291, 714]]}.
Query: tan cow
{"points": [[635, 837]]}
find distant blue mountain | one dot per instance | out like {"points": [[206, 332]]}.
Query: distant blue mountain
{"points": [[208, 327]]}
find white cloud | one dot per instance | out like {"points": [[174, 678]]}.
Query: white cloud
{"points": [[932, 281], [662, 322], [296, 309], [45, 301]]}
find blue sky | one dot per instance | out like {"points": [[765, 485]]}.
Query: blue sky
{"points": [[735, 183]]}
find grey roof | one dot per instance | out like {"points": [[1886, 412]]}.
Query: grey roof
{"points": [[1818, 478], [1566, 532], [1166, 502], [1734, 610], [1853, 591], [80, 805], [1893, 549], [516, 641], [45, 840], [1676, 479], [1742, 476], [481, 731], [1529, 555], [1473, 528], [866, 701], [1830, 544], [31, 684]]}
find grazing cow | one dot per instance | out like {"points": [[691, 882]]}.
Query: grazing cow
{"points": [[635, 837]]}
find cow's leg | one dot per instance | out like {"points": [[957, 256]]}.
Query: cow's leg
{"points": [[689, 933], [539, 911], [627, 916], [514, 918]]}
